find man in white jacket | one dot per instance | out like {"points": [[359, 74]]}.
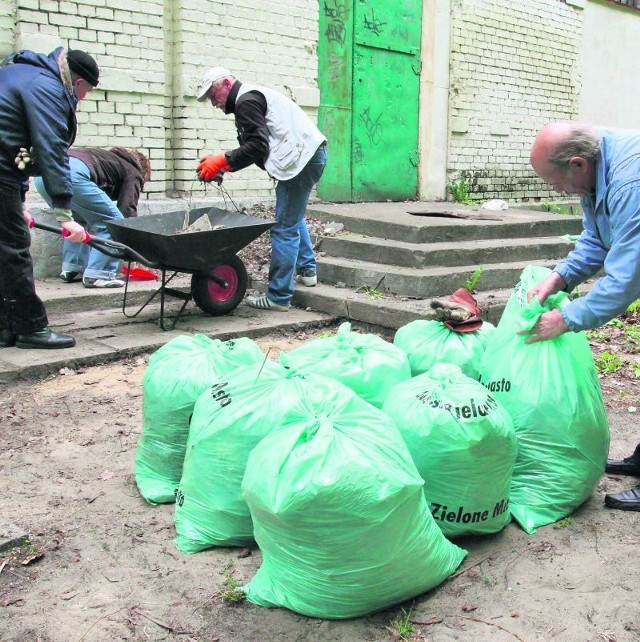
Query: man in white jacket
{"points": [[277, 136]]}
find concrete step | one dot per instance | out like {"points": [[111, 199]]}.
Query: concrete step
{"points": [[72, 297], [416, 255], [418, 282], [384, 310], [103, 333], [413, 222]]}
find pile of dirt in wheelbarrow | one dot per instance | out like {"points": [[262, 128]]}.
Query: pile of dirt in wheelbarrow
{"points": [[257, 255]]}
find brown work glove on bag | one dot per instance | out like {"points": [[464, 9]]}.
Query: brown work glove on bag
{"points": [[460, 312]]}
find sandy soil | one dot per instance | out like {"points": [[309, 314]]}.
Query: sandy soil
{"points": [[102, 565]]}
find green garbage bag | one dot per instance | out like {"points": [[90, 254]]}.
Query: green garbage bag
{"points": [[366, 363], [551, 390], [229, 419], [463, 444], [176, 375], [339, 512], [429, 342]]}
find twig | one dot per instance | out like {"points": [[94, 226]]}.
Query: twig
{"points": [[162, 625], [266, 356], [477, 619], [428, 622], [468, 568], [467, 617], [595, 534], [201, 606], [84, 635], [508, 564]]}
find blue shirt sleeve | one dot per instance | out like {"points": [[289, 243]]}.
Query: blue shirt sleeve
{"points": [[620, 286], [586, 258]]}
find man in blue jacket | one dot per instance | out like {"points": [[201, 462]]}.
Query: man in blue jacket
{"points": [[38, 99], [603, 167]]}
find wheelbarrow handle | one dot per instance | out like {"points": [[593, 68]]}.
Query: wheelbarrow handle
{"points": [[106, 246]]}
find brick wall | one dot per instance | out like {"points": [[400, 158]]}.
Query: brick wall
{"points": [[514, 67], [152, 54]]}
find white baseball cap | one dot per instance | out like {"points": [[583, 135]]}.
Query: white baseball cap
{"points": [[210, 76]]}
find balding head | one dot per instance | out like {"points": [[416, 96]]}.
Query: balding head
{"points": [[564, 154]]}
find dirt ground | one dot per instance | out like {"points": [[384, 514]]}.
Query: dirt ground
{"points": [[102, 566]]}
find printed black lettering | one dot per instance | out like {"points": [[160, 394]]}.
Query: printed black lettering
{"points": [[501, 507]]}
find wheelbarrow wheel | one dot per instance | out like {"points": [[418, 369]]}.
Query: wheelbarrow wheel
{"points": [[216, 299]]}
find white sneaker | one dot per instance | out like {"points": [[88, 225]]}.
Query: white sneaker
{"points": [[308, 278], [263, 303], [101, 283]]}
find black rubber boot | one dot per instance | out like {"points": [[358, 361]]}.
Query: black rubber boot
{"points": [[626, 500], [626, 466]]}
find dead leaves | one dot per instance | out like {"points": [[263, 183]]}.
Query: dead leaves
{"points": [[33, 557]]}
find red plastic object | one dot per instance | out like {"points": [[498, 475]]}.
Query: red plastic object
{"points": [[139, 274]]}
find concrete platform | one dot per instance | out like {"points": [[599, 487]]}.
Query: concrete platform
{"points": [[424, 234]]}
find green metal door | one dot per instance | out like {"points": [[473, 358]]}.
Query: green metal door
{"points": [[369, 66], [335, 73], [386, 84]]}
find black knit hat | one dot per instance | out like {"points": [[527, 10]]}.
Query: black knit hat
{"points": [[84, 65]]}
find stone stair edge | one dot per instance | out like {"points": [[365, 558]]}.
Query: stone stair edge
{"points": [[425, 272], [364, 239]]}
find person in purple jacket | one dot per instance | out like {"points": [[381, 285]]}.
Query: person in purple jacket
{"points": [[38, 98]]}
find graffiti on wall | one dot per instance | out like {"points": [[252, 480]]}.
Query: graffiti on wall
{"points": [[336, 14]]}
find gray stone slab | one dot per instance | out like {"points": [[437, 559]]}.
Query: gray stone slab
{"points": [[11, 536], [17, 363], [396, 221]]}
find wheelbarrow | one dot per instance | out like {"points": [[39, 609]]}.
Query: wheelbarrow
{"points": [[219, 277]]}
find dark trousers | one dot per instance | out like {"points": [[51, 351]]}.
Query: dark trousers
{"points": [[20, 308]]}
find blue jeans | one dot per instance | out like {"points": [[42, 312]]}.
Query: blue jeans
{"points": [[91, 208], [291, 247]]}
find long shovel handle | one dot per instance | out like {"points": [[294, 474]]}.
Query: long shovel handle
{"points": [[106, 246]]}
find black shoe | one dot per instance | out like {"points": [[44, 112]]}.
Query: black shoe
{"points": [[45, 338], [7, 339], [626, 500], [626, 466]]}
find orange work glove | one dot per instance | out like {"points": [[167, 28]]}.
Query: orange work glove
{"points": [[460, 312], [212, 166]]}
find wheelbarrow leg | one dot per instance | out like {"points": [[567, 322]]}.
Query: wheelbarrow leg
{"points": [[176, 294], [162, 290]]}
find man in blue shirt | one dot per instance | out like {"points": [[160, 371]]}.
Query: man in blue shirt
{"points": [[603, 167]]}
